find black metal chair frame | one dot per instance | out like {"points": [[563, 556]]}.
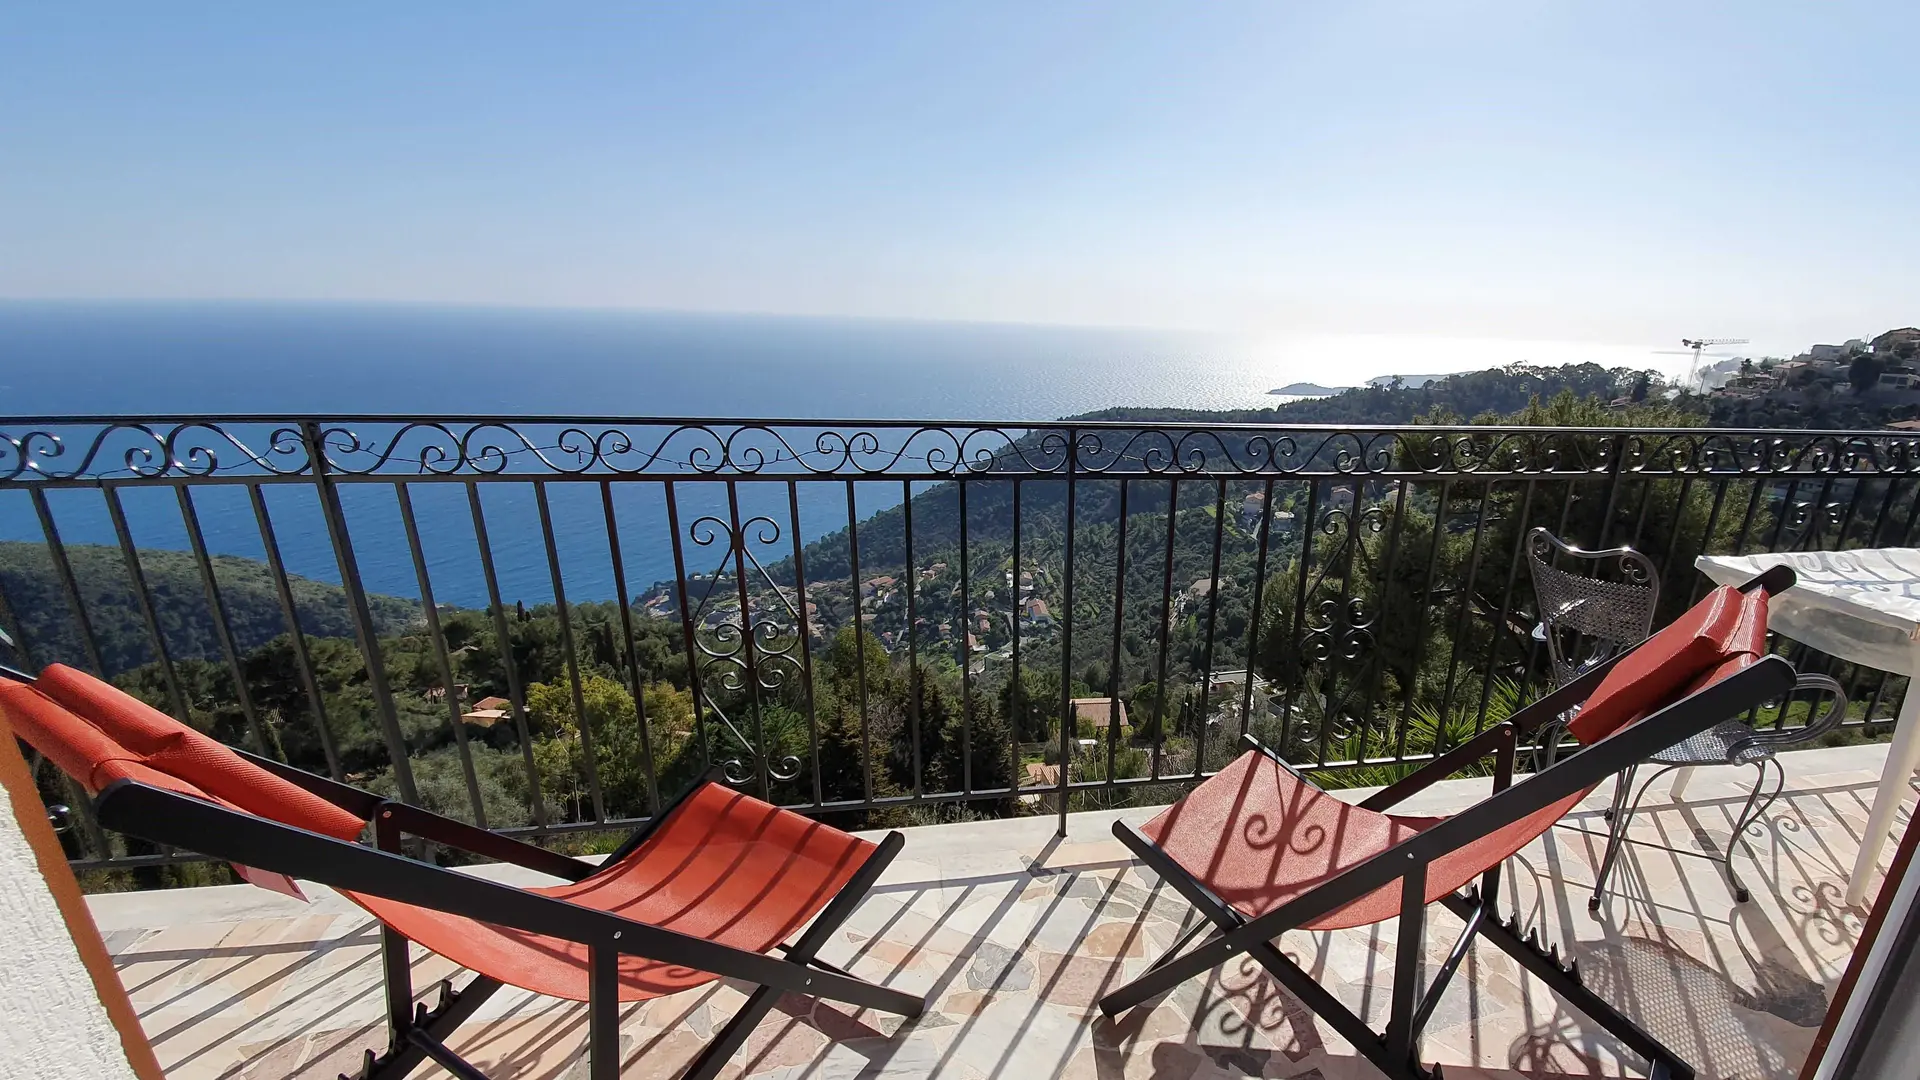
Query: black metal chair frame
{"points": [[1602, 634], [1396, 1051], [1731, 742], [417, 1033]]}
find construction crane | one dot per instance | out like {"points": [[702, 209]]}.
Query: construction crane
{"points": [[1703, 343]]}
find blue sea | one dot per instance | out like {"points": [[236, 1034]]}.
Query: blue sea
{"points": [[132, 358], [223, 358]]}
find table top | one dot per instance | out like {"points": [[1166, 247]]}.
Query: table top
{"points": [[1861, 605]]}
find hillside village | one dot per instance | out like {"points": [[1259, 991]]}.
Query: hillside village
{"points": [[1858, 383]]}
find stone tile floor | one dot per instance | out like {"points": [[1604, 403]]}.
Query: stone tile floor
{"points": [[1015, 932]]}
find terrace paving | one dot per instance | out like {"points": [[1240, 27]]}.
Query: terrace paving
{"points": [[1015, 933]]}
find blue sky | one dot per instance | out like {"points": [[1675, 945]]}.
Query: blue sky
{"points": [[1610, 172]]}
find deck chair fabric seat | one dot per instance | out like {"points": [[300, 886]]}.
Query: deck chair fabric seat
{"points": [[723, 867], [1258, 835], [1260, 850], [717, 865]]}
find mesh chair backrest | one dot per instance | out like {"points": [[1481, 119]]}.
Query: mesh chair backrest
{"points": [[1588, 618]]}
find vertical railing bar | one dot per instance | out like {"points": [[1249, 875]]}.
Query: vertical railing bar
{"points": [[1019, 694], [1913, 516], [1640, 515], [1391, 563], [1773, 544], [589, 760], [1253, 612], [1113, 660], [1666, 567], [364, 630], [1506, 605], [1308, 525], [805, 629], [859, 641], [1559, 530], [1426, 604], [1880, 519], [1760, 485], [914, 675], [1066, 713], [64, 571], [1347, 552], [516, 695], [1873, 540], [1706, 537], [1166, 625], [1873, 704], [1906, 540], [145, 600], [1613, 490], [1466, 610], [631, 654], [1786, 511], [1846, 520], [303, 660], [222, 628], [443, 663], [966, 653], [694, 686], [1812, 539], [750, 668], [1202, 721], [15, 630]]}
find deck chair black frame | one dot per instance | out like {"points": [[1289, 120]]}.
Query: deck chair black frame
{"points": [[416, 1032], [1396, 1051]]}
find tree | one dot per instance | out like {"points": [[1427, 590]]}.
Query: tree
{"points": [[1032, 704], [1865, 371], [619, 757]]}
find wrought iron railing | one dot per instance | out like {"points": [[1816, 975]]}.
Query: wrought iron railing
{"points": [[855, 618]]}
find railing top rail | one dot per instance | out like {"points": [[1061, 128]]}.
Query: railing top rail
{"points": [[244, 447], [616, 419]]}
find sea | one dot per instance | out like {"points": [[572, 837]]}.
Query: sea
{"points": [[206, 359]]}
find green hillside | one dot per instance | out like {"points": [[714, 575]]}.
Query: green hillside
{"points": [[32, 586]]}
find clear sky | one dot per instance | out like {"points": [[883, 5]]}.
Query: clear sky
{"points": [[1608, 172]]}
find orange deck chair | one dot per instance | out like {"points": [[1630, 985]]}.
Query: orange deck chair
{"points": [[1260, 850], [708, 888]]}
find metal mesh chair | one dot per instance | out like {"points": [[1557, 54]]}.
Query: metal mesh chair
{"points": [[1585, 620], [1731, 742], [1258, 850]]}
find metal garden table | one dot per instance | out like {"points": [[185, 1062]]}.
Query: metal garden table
{"points": [[1862, 606]]}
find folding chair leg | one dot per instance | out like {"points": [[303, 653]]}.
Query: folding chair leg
{"points": [[1185, 940], [428, 1031], [732, 1037], [603, 1013], [1617, 819]]}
